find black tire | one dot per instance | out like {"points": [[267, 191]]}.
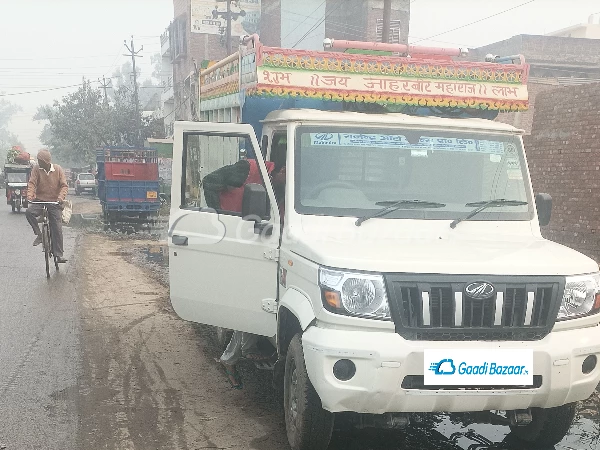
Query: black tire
{"points": [[77, 192], [548, 427], [46, 244], [307, 424], [222, 337], [19, 205], [13, 206]]}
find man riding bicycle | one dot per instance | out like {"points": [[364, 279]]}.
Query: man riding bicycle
{"points": [[47, 184]]}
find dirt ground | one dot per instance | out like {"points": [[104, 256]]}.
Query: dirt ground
{"points": [[149, 380], [85, 204]]}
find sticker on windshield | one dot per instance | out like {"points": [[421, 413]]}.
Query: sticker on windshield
{"points": [[513, 163], [497, 367], [514, 174], [495, 158], [418, 153], [400, 142]]}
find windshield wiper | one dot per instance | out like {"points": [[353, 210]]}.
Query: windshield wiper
{"points": [[484, 205], [395, 205]]}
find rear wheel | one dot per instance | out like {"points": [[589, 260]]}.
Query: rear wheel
{"points": [[548, 427], [307, 424], [18, 204], [77, 192], [46, 244]]}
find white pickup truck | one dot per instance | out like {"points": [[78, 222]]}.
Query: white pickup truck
{"points": [[408, 273]]}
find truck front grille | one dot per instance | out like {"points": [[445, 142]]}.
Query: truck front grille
{"points": [[438, 307]]}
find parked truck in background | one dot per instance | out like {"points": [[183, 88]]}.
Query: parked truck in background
{"points": [[407, 272], [128, 185]]}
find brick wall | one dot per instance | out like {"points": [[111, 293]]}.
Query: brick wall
{"points": [[524, 119], [563, 151]]}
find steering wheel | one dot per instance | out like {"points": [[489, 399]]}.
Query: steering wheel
{"points": [[329, 184]]}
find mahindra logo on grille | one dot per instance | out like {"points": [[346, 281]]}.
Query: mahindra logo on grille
{"points": [[480, 290]]}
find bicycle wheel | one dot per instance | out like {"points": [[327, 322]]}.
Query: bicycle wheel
{"points": [[46, 244]]}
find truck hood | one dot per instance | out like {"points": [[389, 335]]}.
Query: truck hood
{"points": [[428, 246]]}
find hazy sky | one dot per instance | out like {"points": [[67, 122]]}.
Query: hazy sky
{"points": [[49, 44]]}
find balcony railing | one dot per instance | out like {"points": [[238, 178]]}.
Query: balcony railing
{"points": [[164, 38], [168, 84]]}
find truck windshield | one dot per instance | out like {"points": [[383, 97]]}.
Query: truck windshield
{"points": [[341, 172], [16, 177]]}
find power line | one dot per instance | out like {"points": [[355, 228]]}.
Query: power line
{"points": [[317, 25], [477, 21], [52, 68], [307, 17], [118, 57], [57, 58], [41, 90]]}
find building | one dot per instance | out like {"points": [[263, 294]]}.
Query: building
{"points": [[554, 61], [167, 97], [590, 30], [355, 20], [197, 35], [359, 20]]}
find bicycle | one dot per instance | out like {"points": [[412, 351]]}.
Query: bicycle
{"points": [[47, 235]]}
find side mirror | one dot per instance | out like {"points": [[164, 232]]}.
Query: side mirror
{"points": [[543, 203], [254, 208], [254, 202]]}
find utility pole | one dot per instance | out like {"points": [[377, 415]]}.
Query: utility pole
{"points": [[133, 54], [228, 16], [228, 27], [104, 85], [387, 16]]}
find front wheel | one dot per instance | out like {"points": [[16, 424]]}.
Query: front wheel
{"points": [[307, 424], [19, 205], [77, 192], [12, 204], [548, 427]]}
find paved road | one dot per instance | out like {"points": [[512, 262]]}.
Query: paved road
{"points": [[39, 336]]}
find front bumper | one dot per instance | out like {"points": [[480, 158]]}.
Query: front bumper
{"points": [[383, 359]]}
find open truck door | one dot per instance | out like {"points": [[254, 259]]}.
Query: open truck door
{"points": [[222, 266]]}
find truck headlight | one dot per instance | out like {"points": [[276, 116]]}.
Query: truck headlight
{"points": [[581, 297], [354, 294]]}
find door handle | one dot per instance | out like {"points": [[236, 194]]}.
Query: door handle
{"points": [[180, 240]]}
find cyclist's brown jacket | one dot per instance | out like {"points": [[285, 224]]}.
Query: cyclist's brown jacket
{"points": [[47, 186]]}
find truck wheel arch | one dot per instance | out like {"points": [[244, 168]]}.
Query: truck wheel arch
{"points": [[295, 315]]}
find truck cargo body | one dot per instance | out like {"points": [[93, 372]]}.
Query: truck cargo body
{"points": [[128, 184]]}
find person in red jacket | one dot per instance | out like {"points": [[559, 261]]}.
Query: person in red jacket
{"points": [[224, 188]]}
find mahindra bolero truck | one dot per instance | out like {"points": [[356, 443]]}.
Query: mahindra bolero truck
{"points": [[402, 268]]}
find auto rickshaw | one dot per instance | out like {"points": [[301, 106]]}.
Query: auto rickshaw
{"points": [[17, 177]]}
